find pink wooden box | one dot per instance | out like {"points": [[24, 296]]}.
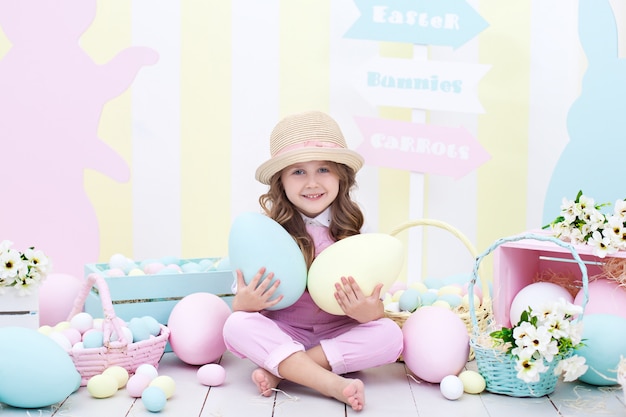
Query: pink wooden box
{"points": [[516, 264]]}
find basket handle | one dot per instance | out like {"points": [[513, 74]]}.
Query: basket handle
{"points": [[111, 321], [457, 233], [531, 236]]}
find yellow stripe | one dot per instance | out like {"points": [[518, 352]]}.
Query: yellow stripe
{"points": [[109, 34], [304, 55], [205, 127], [503, 128], [394, 186]]}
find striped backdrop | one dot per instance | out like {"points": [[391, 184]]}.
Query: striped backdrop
{"points": [[195, 126]]}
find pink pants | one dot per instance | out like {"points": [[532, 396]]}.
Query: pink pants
{"points": [[270, 337]]}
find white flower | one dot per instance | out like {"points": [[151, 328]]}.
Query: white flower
{"points": [[21, 270], [571, 368], [529, 370], [602, 244]]}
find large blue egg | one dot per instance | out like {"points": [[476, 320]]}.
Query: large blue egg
{"points": [[35, 371], [257, 241], [604, 336]]}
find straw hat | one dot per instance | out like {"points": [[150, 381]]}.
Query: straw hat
{"points": [[307, 136]]}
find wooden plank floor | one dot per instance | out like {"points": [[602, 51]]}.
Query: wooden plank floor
{"points": [[390, 391]]}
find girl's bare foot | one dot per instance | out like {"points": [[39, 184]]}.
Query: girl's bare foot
{"points": [[265, 381], [353, 394]]}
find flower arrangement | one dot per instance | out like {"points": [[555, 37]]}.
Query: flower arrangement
{"points": [[543, 336], [21, 270], [582, 222]]}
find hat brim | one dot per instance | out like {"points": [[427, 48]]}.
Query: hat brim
{"points": [[266, 171]]}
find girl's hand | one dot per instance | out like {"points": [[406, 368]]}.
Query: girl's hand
{"points": [[256, 295], [355, 304]]}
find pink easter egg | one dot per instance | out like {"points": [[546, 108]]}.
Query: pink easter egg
{"points": [[153, 268], [606, 296], [196, 324], [56, 297], [211, 375], [136, 384], [115, 272], [436, 343], [73, 335], [397, 286]]}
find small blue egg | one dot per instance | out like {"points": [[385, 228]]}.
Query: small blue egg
{"points": [[454, 300], [428, 298], [152, 325], [190, 267], [223, 264], [153, 399], [433, 283], [93, 339], [168, 260], [139, 329], [410, 300]]}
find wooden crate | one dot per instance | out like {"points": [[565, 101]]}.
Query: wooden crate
{"points": [[518, 264], [21, 311]]}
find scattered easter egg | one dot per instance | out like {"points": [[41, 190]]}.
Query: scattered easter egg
{"points": [[453, 300], [436, 343], [370, 258], [73, 335], [61, 340], [256, 241], [419, 286], [154, 399], [119, 373], [102, 386], [428, 298], [451, 387], [196, 324], [135, 272], [606, 296], [211, 374], [93, 339], [409, 300], [153, 268], [441, 303], [35, 371], [535, 296], [139, 329], [604, 338], [56, 297], [137, 383], [473, 382], [166, 383], [154, 327], [148, 370], [82, 322]]}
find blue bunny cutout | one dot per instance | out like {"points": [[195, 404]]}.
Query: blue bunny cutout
{"points": [[592, 161]]}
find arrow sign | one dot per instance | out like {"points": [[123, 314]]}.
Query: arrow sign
{"points": [[422, 148], [426, 22], [429, 85]]}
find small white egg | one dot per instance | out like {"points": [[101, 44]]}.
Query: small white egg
{"points": [[451, 387]]}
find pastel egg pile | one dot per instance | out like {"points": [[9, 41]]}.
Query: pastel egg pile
{"points": [[120, 265], [153, 389], [85, 332], [430, 292]]}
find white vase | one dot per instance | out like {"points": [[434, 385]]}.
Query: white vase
{"points": [[19, 310]]}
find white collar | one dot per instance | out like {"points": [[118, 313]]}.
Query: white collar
{"points": [[322, 219]]}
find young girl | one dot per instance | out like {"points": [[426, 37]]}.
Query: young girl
{"points": [[310, 175]]}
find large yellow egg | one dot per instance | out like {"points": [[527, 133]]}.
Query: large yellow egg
{"points": [[473, 382], [119, 373], [370, 258], [102, 386]]}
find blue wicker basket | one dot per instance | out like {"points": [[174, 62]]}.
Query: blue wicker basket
{"points": [[497, 367]]}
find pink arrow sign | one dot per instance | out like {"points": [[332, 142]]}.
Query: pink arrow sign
{"points": [[450, 151]]}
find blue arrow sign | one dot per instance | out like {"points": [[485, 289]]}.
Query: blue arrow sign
{"points": [[426, 22]]}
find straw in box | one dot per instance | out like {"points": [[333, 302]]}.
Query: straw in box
{"points": [[94, 361], [498, 367], [483, 312]]}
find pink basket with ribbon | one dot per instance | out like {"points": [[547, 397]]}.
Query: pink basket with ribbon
{"points": [[93, 361]]}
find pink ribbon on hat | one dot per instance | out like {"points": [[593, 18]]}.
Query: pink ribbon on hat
{"points": [[308, 144]]}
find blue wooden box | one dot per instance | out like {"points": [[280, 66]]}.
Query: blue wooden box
{"points": [[156, 295]]}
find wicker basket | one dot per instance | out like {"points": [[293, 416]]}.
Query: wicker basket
{"points": [[497, 367], [93, 361], [483, 312]]}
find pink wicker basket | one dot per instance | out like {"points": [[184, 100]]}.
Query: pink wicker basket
{"points": [[94, 361]]}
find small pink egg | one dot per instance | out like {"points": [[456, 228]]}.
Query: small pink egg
{"points": [[211, 375], [73, 335], [175, 266], [153, 268], [136, 384], [115, 272]]}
